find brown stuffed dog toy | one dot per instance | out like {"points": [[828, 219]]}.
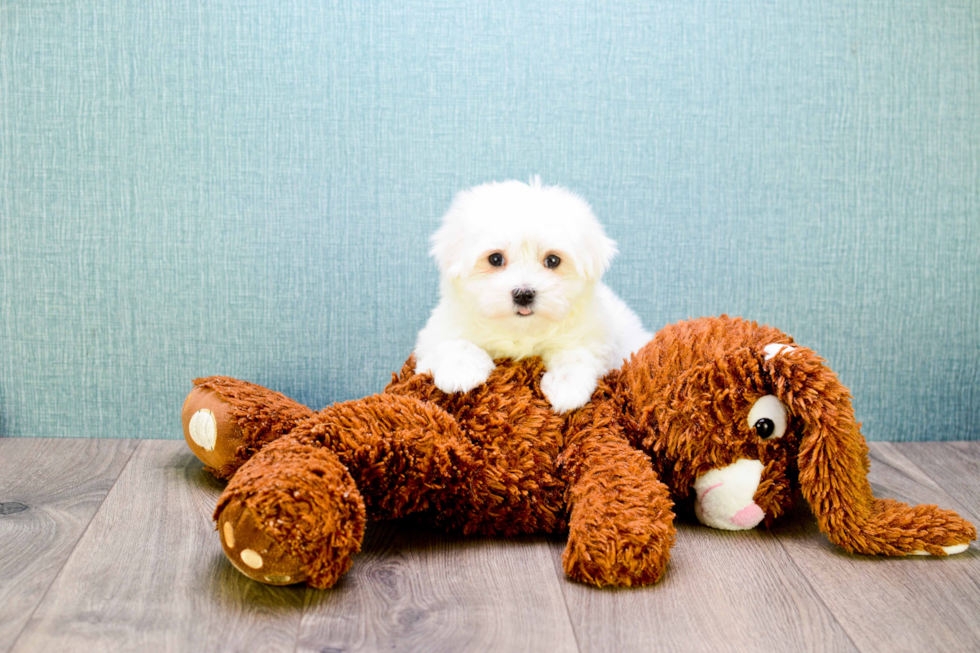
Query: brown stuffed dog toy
{"points": [[721, 414]]}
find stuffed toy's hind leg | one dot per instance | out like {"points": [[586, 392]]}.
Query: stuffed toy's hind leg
{"points": [[406, 455], [297, 509]]}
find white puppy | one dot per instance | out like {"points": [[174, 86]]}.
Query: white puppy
{"points": [[520, 266]]}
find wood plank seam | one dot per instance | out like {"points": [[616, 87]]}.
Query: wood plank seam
{"points": [[562, 578], [80, 537], [815, 591]]}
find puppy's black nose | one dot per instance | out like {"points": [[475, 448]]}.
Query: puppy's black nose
{"points": [[523, 296]]}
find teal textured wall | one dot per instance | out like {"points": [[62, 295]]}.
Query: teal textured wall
{"points": [[246, 187]]}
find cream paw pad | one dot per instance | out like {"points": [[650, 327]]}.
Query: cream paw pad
{"points": [[253, 552], [210, 430]]}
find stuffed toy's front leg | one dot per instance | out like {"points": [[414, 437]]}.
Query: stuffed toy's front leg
{"points": [[621, 525]]}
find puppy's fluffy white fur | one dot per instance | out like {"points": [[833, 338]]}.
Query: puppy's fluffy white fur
{"points": [[502, 295]]}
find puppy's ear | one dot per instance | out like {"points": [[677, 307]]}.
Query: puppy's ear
{"points": [[446, 247], [581, 234], [833, 466], [448, 244], [596, 255]]}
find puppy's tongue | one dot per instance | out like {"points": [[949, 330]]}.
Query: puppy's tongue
{"points": [[524, 310]]}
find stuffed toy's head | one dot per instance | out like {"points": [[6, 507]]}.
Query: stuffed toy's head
{"points": [[736, 418]]}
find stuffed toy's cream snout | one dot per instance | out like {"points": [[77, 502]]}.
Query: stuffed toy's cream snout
{"points": [[724, 496]]}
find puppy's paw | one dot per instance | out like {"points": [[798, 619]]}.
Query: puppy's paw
{"points": [[569, 387], [456, 366]]}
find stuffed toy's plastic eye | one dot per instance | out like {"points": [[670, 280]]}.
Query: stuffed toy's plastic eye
{"points": [[552, 261], [496, 259], [764, 428], [767, 418]]}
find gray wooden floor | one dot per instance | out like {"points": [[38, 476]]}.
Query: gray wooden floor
{"points": [[107, 545]]}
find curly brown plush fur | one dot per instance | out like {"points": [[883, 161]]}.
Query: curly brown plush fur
{"points": [[499, 461]]}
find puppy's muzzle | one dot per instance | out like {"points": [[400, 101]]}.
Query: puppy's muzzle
{"points": [[523, 296]]}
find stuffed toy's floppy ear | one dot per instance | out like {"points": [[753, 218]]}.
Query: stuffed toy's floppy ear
{"points": [[833, 465]]}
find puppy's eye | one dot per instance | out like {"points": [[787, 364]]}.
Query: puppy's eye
{"points": [[496, 259], [552, 261], [768, 418]]}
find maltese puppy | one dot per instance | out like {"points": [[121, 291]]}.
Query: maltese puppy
{"points": [[520, 268]]}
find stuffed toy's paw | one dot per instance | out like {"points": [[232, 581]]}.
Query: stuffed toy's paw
{"points": [[631, 549], [210, 430], [292, 513], [226, 421], [621, 526], [254, 552]]}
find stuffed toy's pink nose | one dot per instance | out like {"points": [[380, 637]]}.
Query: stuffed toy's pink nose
{"points": [[748, 517]]}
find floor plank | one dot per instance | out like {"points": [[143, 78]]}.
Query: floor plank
{"points": [[723, 591], [412, 589], [891, 604], [46, 503], [149, 573]]}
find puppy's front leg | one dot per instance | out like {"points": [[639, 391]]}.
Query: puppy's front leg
{"points": [[456, 365], [571, 378]]}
